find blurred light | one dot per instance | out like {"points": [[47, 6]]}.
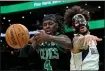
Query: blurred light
{"points": [[0, 40], [2, 23], [4, 18], [85, 3], [88, 12], [67, 7], [2, 35], [9, 20], [44, 14], [9, 24], [30, 12], [31, 33], [23, 17], [12, 52], [99, 6]]}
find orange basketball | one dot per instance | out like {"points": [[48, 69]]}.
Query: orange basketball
{"points": [[17, 36]]}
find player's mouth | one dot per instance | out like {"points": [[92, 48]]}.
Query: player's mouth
{"points": [[48, 31], [82, 28]]}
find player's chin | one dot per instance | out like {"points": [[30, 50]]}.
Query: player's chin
{"points": [[82, 31], [49, 33]]}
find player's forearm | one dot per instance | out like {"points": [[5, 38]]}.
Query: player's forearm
{"points": [[80, 44], [62, 41]]}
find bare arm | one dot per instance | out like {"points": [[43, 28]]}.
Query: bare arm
{"points": [[61, 40], [83, 42], [78, 43]]}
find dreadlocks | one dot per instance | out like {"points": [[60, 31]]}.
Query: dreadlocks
{"points": [[58, 19], [73, 11]]}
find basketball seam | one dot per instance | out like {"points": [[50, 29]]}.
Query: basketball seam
{"points": [[16, 36], [24, 31]]}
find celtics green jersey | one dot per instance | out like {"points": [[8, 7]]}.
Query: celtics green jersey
{"points": [[51, 55]]}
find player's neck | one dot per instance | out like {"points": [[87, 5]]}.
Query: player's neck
{"points": [[87, 33]]}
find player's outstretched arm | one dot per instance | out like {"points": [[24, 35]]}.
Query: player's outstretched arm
{"points": [[84, 41], [62, 40]]}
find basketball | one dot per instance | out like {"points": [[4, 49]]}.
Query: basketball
{"points": [[17, 36]]}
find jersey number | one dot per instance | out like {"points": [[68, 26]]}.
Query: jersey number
{"points": [[47, 65]]}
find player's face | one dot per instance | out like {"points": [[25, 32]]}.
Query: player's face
{"points": [[79, 22], [50, 27], [83, 29]]}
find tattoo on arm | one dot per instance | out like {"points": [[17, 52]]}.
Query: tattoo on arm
{"points": [[62, 40]]}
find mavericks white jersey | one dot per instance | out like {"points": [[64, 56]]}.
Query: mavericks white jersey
{"points": [[86, 60]]}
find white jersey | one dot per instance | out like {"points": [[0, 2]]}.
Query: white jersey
{"points": [[86, 60]]}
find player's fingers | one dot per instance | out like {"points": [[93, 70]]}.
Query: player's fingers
{"points": [[38, 41], [98, 39], [93, 40], [37, 36], [80, 43], [85, 40]]}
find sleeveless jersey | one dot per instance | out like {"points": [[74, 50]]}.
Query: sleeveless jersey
{"points": [[86, 60], [53, 57]]}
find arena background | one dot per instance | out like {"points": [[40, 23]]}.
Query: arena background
{"points": [[31, 14]]}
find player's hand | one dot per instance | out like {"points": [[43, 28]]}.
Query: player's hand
{"points": [[42, 36], [78, 43], [31, 40], [84, 41], [88, 39]]}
